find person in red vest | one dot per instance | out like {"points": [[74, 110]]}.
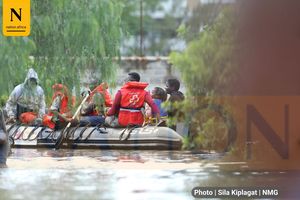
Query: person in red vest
{"points": [[129, 101], [93, 111], [59, 111], [103, 89], [98, 99]]}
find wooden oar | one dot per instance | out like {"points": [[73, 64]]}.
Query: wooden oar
{"points": [[62, 135]]}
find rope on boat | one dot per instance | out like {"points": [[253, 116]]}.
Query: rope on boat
{"points": [[71, 132], [22, 133], [128, 131], [14, 124], [15, 132], [82, 131], [98, 127], [37, 135], [52, 133]]}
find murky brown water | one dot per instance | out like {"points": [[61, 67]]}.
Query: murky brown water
{"points": [[105, 174]]}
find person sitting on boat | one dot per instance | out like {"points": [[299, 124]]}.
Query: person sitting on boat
{"points": [[59, 112], [129, 101], [172, 88], [27, 101], [99, 91], [93, 111], [159, 96]]}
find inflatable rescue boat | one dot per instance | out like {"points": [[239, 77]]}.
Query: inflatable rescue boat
{"points": [[148, 137]]}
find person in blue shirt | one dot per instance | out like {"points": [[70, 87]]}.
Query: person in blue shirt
{"points": [[159, 95]]}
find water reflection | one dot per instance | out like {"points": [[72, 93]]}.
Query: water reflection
{"points": [[96, 174]]}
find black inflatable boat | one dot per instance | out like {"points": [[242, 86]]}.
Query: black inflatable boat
{"points": [[148, 137]]}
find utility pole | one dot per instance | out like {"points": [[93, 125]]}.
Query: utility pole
{"points": [[141, 29]]}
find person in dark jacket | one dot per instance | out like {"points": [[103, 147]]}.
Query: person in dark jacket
{"points": [[172, 88]]}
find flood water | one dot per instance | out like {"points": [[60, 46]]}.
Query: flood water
{"points": [[111, 174]]}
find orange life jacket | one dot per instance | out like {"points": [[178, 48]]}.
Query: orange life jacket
{"points": [[59, 90], [102, 89], [132, 100], [27, 117]]}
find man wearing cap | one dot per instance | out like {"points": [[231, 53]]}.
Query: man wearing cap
{"points": [[129, 101], [27, 101]]}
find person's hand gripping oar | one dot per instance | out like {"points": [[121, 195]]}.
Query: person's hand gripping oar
{"points": [[62, 135]]}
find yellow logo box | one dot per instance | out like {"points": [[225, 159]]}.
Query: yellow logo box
{"points": [[16, 17]]}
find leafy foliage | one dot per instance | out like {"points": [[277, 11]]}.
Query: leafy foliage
{"points": [[67, 38], [157, 29], [207, 64], [161, 18], [207, 67], [201, 15]]}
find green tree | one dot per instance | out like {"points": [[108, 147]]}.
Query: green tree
{"points": [[157, 30], [200, 15], [66, 39], [207, 64], [207, 68], [161, 19]]}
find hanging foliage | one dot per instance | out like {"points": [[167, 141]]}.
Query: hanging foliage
{"points": [[66, 39], [207, 67]]}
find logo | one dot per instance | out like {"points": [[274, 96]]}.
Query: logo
{"points": [[134, 99], [16, 17]]}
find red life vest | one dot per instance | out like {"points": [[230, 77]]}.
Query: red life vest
{"points": [[132, 100], [47, 121], [102, 89], [27, 117], [59, 90]]}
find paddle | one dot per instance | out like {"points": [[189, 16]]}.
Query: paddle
{"points": [[62, 135]]}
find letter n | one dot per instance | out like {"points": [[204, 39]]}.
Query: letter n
{"points": [[18, 15], [253, 116]]}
